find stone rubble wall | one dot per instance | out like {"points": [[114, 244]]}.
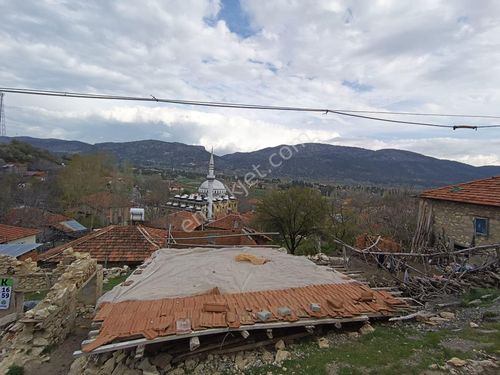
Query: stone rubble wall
{"points": [[31, 278], [49, 322]]}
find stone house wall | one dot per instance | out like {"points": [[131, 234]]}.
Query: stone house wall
{"points": [[455, 221]]}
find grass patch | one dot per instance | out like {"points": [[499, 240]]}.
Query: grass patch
{"points": [[35, 296], [485, 295], [388, 351], [15, 370], [114, 281]]}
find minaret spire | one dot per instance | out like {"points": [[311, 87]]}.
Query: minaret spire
{"points": [[211, 178]]}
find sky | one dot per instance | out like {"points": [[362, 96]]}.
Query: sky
{"points": [[426, 56]]}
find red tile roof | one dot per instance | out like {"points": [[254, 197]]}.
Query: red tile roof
{"points": [[180, 221], [10, 233], [228, 222], [152, 319], [127, 244], [484, 192], [33, 217], [202, 238]]}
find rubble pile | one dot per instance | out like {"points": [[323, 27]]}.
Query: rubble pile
{"points": [[214, 362], [124, 362], [325, 260], [113, 272], [50, 321]]}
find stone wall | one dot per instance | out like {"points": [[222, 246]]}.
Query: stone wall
{"points": [[53, 318], [455, 221], [31, 278]]}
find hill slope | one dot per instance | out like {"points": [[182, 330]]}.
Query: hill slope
{"points": [[312, 161]]}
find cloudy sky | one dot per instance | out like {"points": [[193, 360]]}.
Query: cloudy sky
{"points": [[426, 56]]}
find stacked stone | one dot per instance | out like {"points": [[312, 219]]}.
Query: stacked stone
{"points": [[11, 266], [52, 319]]}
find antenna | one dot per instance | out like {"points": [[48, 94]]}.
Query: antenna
{"points": [[3, 129]]}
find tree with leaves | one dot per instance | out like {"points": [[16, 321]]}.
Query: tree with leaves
{"points": [[295, 213]]}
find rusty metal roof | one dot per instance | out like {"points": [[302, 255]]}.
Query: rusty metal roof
{"points": [[173, 316], [484, 192]]}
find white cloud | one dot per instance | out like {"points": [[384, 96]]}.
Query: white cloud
{"points": [[428, 56]]}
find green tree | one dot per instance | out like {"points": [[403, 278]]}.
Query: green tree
{"points": [[84, 175], [295, 213]]}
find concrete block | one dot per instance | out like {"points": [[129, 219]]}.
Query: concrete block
{"points": [[284, 311], [315, 307], [263, 315]]}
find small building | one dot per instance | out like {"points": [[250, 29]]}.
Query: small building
{"points": [[10, 234], [53, 227], [21, 251], [113, 245], [106, 208], [211, 238], [461, 215]]}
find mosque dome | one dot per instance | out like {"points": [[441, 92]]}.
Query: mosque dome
{"points": [[218, 188]]}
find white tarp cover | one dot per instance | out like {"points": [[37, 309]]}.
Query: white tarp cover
{"points": [[185, 272]]}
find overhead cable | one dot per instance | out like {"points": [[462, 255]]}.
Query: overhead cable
{"points": [[151, 98]]}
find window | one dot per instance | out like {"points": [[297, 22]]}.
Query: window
{"points": [[480, 226]]}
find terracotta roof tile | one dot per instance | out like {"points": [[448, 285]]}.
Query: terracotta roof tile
{"points": [[483, 192], [228, 222], [180, 221], [33, 217], [128, 244], [203, 238], [151, 319], [10, 233]]}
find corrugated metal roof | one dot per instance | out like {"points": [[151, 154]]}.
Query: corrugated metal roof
{"points": [[17, 249], [151, 319], [484, 192], [73, 225]]}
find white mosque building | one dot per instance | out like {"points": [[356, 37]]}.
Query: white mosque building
{"points": [[213, 199]]}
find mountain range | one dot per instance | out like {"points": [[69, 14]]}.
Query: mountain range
{"points": [[310, 161]]}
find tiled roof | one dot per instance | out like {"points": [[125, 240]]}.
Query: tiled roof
{"points": [[483, 192], [228, 222], [131, 243], [180, 221], [33, 217], [211, 237], [152, 319], [10, 233]]}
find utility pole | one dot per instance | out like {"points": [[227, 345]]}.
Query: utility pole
{"points": [[3, 130]]}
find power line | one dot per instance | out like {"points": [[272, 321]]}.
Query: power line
{"points": [[3, 128], [152, 98]]}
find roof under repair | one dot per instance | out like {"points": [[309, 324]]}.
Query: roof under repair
{"points": [[196, 292]]}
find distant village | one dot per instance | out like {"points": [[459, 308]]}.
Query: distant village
{"points": [[152, 275]]}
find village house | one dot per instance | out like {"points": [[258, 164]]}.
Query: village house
{"points": [[10, 234], [113, 245], [105, 208], [461, 215], [53, 227], [18, 242]]}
